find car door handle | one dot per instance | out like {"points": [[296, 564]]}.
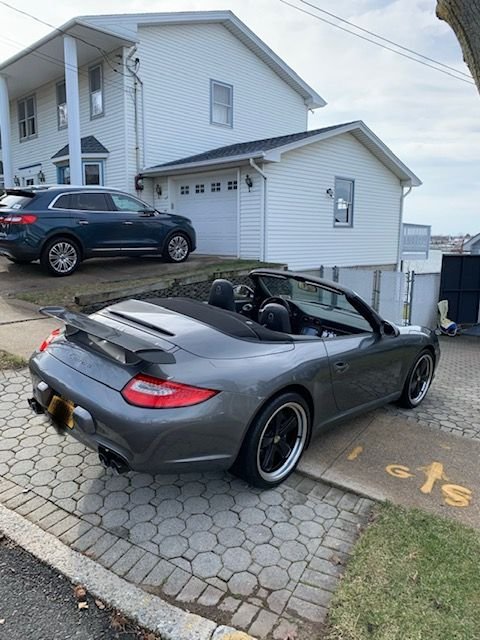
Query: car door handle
{"points": [[82, 221], [341, 367], [127, 222]]}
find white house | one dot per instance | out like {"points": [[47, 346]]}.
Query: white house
{"points": [[198, 111]]}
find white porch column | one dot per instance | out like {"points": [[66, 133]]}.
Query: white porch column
{"points": [[73, 109], [5, 131]]}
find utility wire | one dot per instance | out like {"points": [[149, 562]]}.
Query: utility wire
{"points": [[62, 64], [102, 52], [376, 35], [399, 53]]}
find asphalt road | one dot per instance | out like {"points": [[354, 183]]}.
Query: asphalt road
{"points": [[37, 603]]}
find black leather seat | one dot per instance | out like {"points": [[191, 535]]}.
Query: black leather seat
{"points": [[221, 295], [275, 317]]}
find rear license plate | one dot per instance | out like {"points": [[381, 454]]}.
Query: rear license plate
{"points": [[61, 411]]}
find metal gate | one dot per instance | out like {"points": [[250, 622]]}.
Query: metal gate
{"points": [[460, 285]]}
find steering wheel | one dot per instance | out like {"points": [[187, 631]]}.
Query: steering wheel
{"points": [[274, 300]]}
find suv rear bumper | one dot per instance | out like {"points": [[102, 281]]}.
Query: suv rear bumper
{"points": [[18, 251]]}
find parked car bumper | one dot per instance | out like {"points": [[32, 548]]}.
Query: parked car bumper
{"points": [[18, 250]]}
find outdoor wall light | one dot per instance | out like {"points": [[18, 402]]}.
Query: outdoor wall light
{"points": [[329, 193], [158, 189], [41, 176], [248, 182], [16, 181]]}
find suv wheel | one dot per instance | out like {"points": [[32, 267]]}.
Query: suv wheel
{"points": [[60, 256], [178, 248]]}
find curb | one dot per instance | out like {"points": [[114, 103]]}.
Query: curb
{"points": [[149, 611]]}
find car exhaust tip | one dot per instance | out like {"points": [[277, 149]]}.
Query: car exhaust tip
{"points": [[111, 460], [34, 404]]}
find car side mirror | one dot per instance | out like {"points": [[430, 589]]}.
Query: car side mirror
{"points": [[389, 329]]}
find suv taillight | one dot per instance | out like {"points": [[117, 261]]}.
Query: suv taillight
{"points": [[19, 218], [154, 393]]}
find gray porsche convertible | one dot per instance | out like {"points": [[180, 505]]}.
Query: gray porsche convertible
{"points": [[242, 382]]}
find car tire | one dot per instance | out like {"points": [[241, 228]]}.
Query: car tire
{"points": [[177, 247], [18, 260], [418, 381], [60, 256], [270, 453]]}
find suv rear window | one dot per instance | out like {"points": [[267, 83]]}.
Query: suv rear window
{"points": [[83, 202], [9, 201]]}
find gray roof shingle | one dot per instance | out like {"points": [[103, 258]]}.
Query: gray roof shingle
{"points": [[89, 145], [245, 148]]}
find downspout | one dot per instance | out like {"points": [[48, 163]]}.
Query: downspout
{"points": [[263, 254], [400, 234], [136, 81]]}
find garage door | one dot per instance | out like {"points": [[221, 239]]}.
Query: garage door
{"points": [[211, 203]]}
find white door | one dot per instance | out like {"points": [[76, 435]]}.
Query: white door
{"points": [[211, 204]]}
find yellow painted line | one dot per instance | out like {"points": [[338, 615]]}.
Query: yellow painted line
{"points": [[354, 453]]}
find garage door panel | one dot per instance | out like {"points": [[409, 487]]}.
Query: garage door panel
{"points": [[213, 213]]}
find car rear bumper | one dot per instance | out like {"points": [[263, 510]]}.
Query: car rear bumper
{"points": [[154, 441], [17, 250]]}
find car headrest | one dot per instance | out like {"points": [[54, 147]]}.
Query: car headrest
{"points": [[275, 317], [221, 295]]}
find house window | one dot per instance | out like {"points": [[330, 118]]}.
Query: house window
{"points": [[95, 79], [199, 188], [215, 186], [93, 173], [221, 103], [343, 203], [61, 105], [232, 185], [184, 190], [27, 118]]}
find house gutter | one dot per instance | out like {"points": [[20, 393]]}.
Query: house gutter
{"points": [[400, 234], [255, 166]]}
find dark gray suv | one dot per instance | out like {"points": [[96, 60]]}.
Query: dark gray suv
{"points": [[61, 226]]}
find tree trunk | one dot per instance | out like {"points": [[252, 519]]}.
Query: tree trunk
{"points": [[464, 18]]}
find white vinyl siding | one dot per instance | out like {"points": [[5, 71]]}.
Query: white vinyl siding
{"points": [[300, 212], [177, 98], [109, 130]]}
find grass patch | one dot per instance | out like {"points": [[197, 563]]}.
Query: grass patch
{"points": [[412, 576], [64, 295], [9, 361]]}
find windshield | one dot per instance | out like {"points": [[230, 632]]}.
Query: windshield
{"points": [[315, 299], [9, 201]]}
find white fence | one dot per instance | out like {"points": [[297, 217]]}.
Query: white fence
{"points": [[425, 288], [403, 298]]}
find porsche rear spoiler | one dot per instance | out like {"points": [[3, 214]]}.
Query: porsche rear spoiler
{"points": [[155, 350]]}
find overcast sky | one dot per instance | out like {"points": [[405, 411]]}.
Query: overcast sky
{"points": [[429, 120]]}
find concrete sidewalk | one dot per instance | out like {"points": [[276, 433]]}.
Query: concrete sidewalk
{"points": [[22, 327], [386, 457]]}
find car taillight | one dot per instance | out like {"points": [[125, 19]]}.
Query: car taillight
{"points": [[47, 341], [21, 218], [154, 393]]}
